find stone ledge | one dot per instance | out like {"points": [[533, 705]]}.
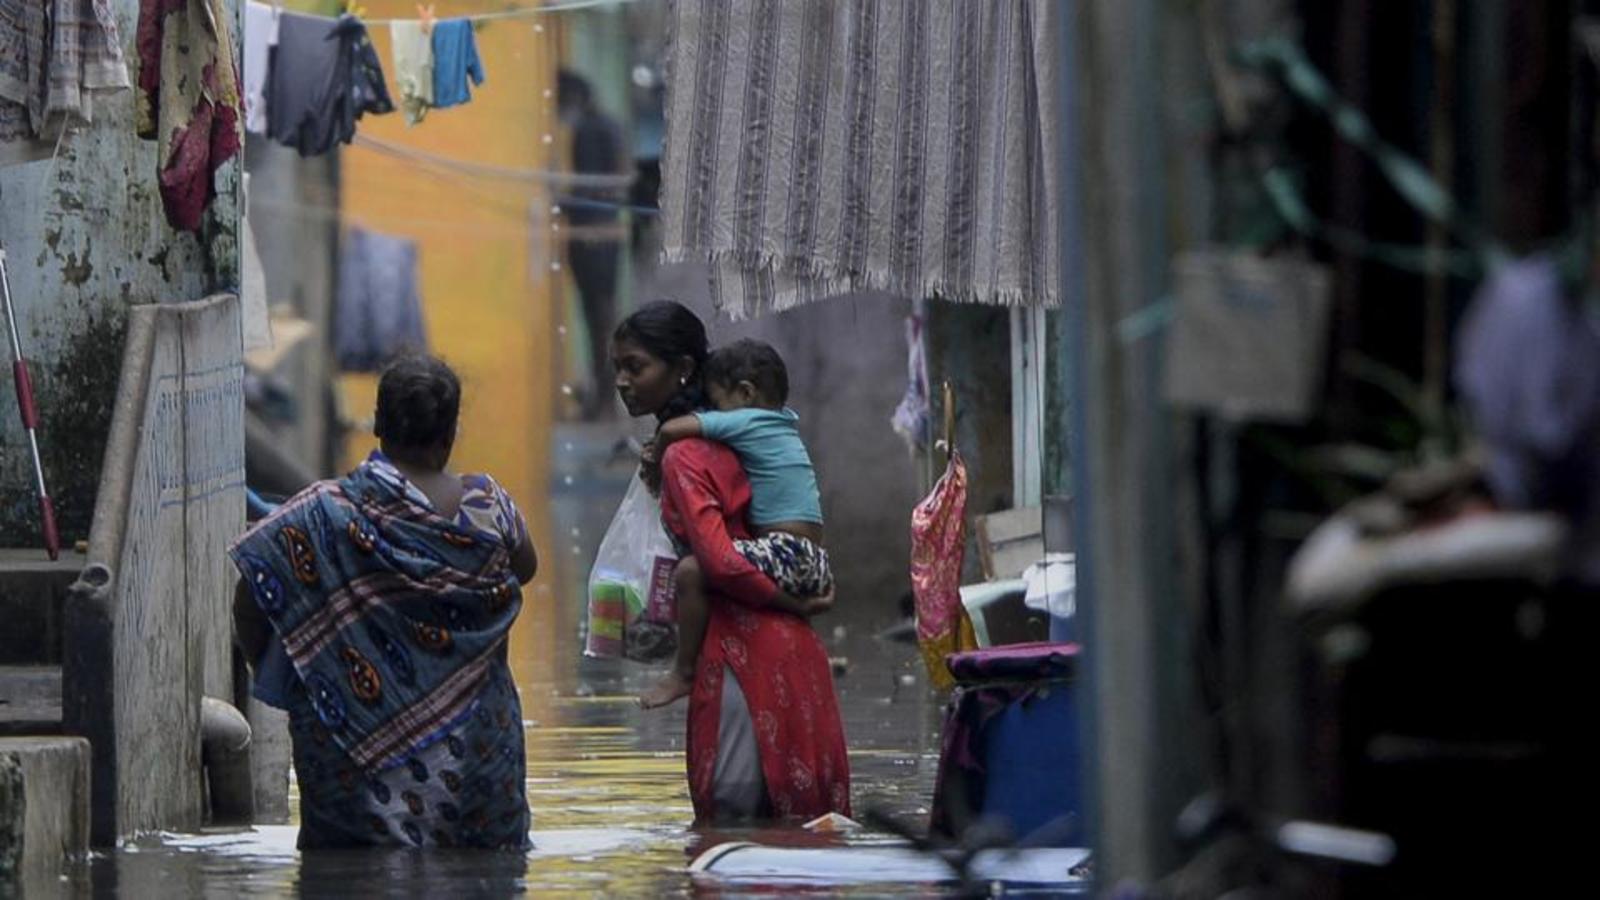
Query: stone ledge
{"points": [[30, 700], [44, 808]]}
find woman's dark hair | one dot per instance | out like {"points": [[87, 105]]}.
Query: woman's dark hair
{"points": [[419, 398], [752, 361], [669, 331]]}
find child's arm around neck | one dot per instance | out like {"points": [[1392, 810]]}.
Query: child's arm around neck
{"points": [[677, 429]]}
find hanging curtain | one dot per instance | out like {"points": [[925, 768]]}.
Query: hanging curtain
{"points": [[818, 148]]}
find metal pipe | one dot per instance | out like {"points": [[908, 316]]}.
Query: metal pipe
{"points": [[1076, 347]]}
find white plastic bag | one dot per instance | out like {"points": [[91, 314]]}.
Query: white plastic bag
{"points": [[631, 603], [1053, 585]]}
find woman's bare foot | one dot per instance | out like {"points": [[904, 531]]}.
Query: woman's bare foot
{"points": [[671, 687]]}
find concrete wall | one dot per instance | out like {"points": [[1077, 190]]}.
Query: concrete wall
{"points": [[151, 621], [86, 239], [44, 812]]}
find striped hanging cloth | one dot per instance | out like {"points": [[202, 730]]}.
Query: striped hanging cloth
{"points": [[818, 148]]}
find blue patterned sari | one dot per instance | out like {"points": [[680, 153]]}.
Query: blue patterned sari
{"points": [[393, 622]]}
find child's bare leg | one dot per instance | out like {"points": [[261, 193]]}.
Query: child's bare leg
{"points": [[693, 617]]}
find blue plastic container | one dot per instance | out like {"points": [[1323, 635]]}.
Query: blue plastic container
{"points": [[1063, 629], [1032, 762]]}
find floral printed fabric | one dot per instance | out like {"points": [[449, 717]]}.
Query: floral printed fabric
{"points": [[938, 544], [395, 620], [188, 101]]}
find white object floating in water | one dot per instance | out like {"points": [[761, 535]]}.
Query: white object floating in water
{"points": [[747, 862], [832, 822]]}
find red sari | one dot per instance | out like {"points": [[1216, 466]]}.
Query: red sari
{"points": [[780, 663]]}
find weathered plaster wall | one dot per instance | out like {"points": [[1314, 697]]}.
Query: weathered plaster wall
{"points": [[86, 238]]}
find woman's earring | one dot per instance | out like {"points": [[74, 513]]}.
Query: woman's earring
{"points": [[684, 381]]}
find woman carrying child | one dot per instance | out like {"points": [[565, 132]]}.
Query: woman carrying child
{"points": [[764, 733]]}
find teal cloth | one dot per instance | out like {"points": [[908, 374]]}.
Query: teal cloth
{"points": [[783, 484], [455, 59]]}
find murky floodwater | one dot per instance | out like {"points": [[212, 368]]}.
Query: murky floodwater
{"points": [[605, 779]]}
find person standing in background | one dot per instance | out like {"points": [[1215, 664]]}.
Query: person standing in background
{"points": [[595, 235]]}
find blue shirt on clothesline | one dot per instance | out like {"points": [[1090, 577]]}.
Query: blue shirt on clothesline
{"points": [[455, 57]]}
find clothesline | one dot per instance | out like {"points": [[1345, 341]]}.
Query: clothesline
{"points": [[488, 170], [434, 163], [569, 6], [324, 213]]}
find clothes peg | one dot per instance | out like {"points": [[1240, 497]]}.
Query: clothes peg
{"points": [[426, 14]]}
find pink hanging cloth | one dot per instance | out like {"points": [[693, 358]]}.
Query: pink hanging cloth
{"points": [[938, 544]]}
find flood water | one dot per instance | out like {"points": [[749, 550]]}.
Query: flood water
{"points": [[605, 779]]}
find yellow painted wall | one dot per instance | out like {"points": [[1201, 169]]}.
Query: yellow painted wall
{"points": [[486, 280]]}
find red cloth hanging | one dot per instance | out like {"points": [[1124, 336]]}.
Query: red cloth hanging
{"points": [[188, 101], [938, 545]]}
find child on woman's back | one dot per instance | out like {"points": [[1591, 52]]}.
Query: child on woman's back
{"points": [[749, 386]]}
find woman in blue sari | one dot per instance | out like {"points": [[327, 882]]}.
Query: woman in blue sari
{"points": [[376, 610]]}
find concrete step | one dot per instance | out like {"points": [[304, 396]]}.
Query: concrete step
{"points": [[44, 811], [33, 597], [30, 700]]}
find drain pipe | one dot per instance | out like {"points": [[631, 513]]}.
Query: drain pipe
{"points": [[225, 751]]}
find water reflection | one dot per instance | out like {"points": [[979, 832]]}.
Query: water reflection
{"points": [[606, 782]]}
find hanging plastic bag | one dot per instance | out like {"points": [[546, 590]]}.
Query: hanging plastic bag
{"points": [[631, 605]]}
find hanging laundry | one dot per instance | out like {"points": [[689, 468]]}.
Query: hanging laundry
{"points": [[24, 42], [324, 76], [56, 56], [255, 320], [188, 101], [85, 56], [455, 58], [379, 312], [22, 27], [825, 148], [17, 141], [913, 418], [1528, 370], [413, 68], [938, 545], [260, 37]]}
